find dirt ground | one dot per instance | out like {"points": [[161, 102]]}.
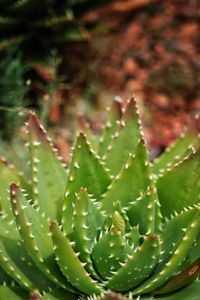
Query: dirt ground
{"points": [[147, 48]]}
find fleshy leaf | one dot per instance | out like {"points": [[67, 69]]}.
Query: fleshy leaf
{"points": [[173, 233], [84, 235], [180, 149], [133, 237], [9, 174], [86, 171], [34, 231], [111, 249], [16, 262], [58, 294], [48, 173], [70, 264], [184, 182], [130, 183], [12, 293], [181, 280], [191, 258], [4, 277], [191, 292], [85, 127], [137, 267], [125, 139], [164, 273], [145, 212]]}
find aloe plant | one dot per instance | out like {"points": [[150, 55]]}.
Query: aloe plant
{"points": [[111, 225]]}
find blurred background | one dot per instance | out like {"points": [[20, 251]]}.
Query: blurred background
{"points": [[70, 57]]}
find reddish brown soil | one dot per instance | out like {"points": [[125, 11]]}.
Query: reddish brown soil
{"points": [[147, 48]]}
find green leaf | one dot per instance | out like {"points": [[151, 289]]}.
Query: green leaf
{"points": [[70, 264], [16, 262], [111, 249], [118, 207], [8, 174], [173, 233], [84, 235], [192, 256], [164, 272], [181, 280], [34, 231], [130, 183], [180, 187], [133, 237], [48, 174], [13, 293], [85, 127], [86, 171], [137, 267], [191, 292], [180, 149], [125, 139], [190, 267], [58, 294], [145, 212], [4, 277]]}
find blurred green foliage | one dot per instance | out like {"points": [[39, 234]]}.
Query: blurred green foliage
{"points": [[30, 31], [12, 91], [40, 25]]}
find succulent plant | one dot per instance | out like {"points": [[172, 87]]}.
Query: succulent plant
{"points": [[111, 226]]}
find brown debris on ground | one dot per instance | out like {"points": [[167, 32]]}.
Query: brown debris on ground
{"points": [[147, 48]]}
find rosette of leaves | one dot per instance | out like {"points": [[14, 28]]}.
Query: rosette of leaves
{"points": [[111, 226]]}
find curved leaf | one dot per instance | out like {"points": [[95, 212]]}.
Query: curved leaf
{"points": [[12, 293], [180, 149], [16, 262], [125, 140], [138, 266], [48, 174], [70, 264], [191, 292], [184, 182], [58, 294], [34, 231], [86, 171], [130, 183]]}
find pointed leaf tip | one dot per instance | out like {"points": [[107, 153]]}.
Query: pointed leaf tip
{"points": [[152, 236], [52, 224], [131, 107], [117, 106], [14, 186], [32, 117], [13, 193], [81, 134], [3, 160], [34, 126], [83, 189], [34, 296]]}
